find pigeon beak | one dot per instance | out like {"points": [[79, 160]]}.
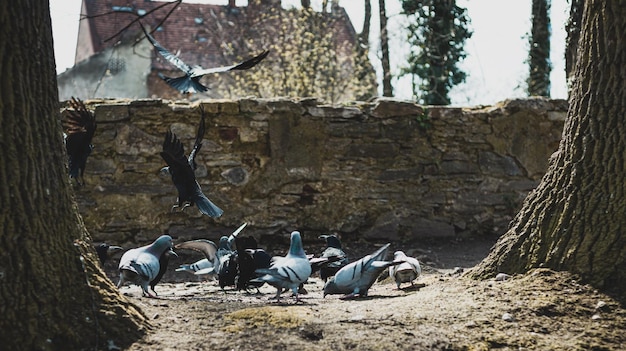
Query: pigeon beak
{"points": [[323, 237], [172, 252]]}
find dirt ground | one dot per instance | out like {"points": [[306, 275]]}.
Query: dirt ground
{"points": [[542, 310]]}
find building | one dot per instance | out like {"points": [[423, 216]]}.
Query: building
{"points": [[113, 61]]}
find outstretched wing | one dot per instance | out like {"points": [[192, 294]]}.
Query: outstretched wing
{"points": [[198, 143], [80, 123], [204, 246], [239, 66], [174, 155], [173, 59]]}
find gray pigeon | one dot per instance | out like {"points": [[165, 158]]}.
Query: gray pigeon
{"points": [[141, 265], [407, 271], [287, 272], [357, 277], [203, 266], [333, 249]]}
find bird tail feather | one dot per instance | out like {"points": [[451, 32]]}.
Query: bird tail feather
{"points": [[207, 207], [185, 84]]}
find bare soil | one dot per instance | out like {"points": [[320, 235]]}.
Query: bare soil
{"points": [[541, 310]]}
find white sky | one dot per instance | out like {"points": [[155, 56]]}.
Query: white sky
{"points": [[495, 63]]}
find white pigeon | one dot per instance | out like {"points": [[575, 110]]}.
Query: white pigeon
{"points": [[141, 265], [405, 272], [355, 278], [287, 272], [200, 267]]}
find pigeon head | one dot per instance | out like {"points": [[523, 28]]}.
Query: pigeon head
{"points": [[330, 287], [399, 255], [165, 171], [295, 248], [331, 240], [162, 244], [223, 244]]}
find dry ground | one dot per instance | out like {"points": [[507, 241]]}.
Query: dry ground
{"points": [[542, 310]]}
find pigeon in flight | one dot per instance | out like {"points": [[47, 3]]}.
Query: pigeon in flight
{"points": [[190, 82], [405, 272], [142, 265], [182, 170], [106, 251], [287, 272], [333, 249], [357, 277], [80, 126]]}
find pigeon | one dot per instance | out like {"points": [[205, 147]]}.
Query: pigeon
{"points": [[182, 170], [106, 251], [249, 258], [190, 82], [405, 272], [355, 278], [287, 272], [80, 126], [164, 261], [218, 255], [333, 248], [203, 266], [142, 265]]}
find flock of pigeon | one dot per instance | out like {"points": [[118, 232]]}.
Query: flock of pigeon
{"points": [[248, 267], [237, 261]]}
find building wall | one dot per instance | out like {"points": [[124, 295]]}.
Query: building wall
{"points": [[118, 72], [381, 170]]}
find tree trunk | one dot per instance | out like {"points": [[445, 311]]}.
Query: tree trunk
{"points": [[573, 34], [575, 219], [53, 295], [384, 47], [539, 55]]}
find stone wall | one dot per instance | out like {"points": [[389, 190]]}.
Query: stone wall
{"points": [[380, 170]]}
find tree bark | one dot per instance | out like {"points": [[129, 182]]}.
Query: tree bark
{"points": [[384, 47], [573, 34], [575, 219], [53, 294]]}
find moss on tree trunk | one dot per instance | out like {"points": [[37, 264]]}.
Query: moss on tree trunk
{"points": [[53, 295], [575, 219]]}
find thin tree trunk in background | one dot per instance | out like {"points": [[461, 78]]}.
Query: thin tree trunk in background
{"points": [[573, 34], [53, 294], [384, 47], [539, 54], [575, 219], [364, 36]]}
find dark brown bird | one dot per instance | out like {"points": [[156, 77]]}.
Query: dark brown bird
{"points": [[80, 126]]}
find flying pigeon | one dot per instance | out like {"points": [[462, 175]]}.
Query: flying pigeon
{"points": [[80, 126], [203, 266], [357, 277], [182, 171], [218, 255], [407, 271], [190, 82], [106, 251], [142, 265], [333, 249]]}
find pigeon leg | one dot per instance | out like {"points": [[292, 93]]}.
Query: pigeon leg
{"points": [[174, 207], [184, 207]]}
